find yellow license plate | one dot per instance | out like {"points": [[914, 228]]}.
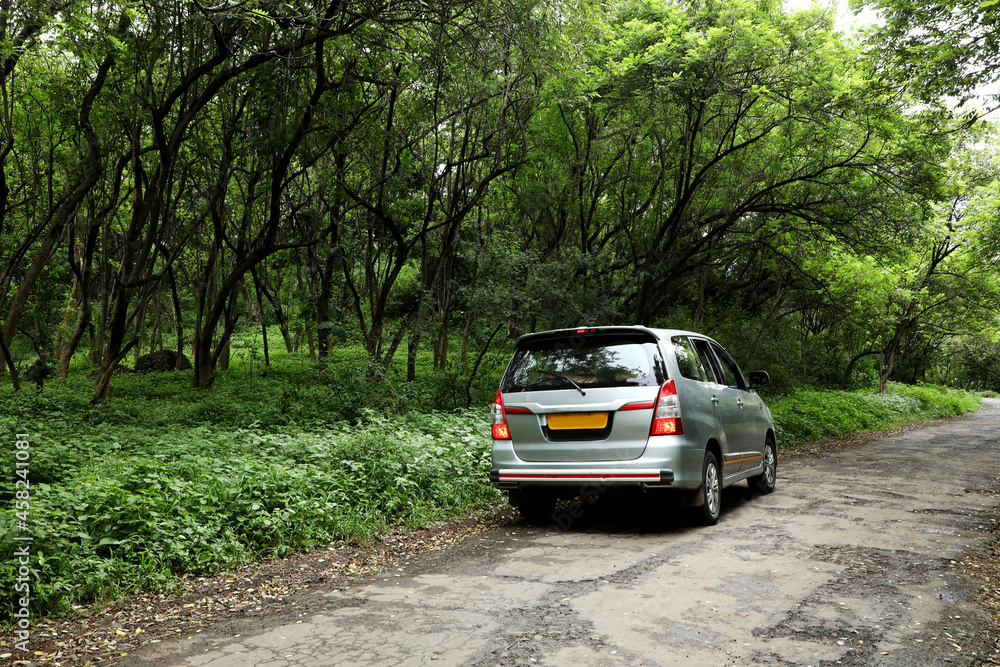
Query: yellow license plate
{"points": [[578, 420]]}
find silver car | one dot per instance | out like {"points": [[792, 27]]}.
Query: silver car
{"points": [[656, 409]]}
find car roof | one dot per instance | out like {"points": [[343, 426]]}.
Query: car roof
{"points": [[574, 331]]}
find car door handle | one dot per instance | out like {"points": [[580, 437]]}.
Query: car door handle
{"points": [[715, 400]]}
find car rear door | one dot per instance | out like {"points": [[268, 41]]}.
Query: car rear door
{"points": [[727, 405], [750, 407], [582, 397]]}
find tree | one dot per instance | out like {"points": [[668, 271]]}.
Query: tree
{"points": [[909, 301], [73, 163], [939, 47], [695, 137], [449, 124], [399, 170], [223, 45]]}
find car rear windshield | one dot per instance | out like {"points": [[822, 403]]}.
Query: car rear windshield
{"points": [[620, 360]]}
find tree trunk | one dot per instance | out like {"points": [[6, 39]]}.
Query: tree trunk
{"points": [[263, 333], [479, 360], [323, 302], [444, 312], [178, 318], [204, 366], [97, 345], [312, 344], [441, 342], [414, 343], [38, 262], [279, 313], [893, 348], [70, 309], [845, 378], [470, 321], [260, 312], [140, 324], [286, 336], [224, 354], [69, 349], [10, 365], [396, 340], [102, 388], [82, 275]]}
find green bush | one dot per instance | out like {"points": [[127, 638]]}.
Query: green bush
{"points": [[806, 416], [116, 508]]}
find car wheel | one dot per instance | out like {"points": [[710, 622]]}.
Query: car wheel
{"points": [[765, 481], [711, 491]]}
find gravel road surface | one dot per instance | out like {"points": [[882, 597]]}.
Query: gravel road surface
{"points": [[853, 560]]}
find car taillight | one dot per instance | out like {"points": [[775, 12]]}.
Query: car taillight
{"points": [[667, 414], [500, 429]]}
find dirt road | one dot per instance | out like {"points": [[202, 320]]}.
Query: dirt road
{"points": [[852, 561]]}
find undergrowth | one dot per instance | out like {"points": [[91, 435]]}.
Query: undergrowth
{"points": [[807, 416], [165, 480], [127, 496]]}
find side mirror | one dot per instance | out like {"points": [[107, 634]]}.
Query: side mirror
{"points": [[759, 379]]}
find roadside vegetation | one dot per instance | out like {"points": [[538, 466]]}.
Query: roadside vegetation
{"points": [[152, 484], [159, 482], [810, 415]]}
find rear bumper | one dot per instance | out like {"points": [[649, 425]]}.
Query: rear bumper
{"points": [[512, 478], [667, 462]]}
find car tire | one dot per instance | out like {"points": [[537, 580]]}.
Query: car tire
{"points": [[765, 481], [711, 491]]}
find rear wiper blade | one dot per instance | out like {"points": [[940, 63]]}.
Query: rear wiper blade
{"points": [[562, 377]]}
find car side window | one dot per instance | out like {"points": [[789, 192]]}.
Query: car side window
{"points": [[730, 371], [707, 360], [688, 361]]}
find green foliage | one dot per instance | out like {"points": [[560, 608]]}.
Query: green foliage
{"points": [[731, 166], [927, 43], [978, 358], [128, 495], [814, 415]]}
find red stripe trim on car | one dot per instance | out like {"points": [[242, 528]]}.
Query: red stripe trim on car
{"points": [[648, 405], [512, 476]]}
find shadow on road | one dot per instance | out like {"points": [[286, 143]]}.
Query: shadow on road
{"points": [[635, 511]]}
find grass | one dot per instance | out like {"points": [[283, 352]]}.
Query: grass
{"points": [[164, 480]]}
